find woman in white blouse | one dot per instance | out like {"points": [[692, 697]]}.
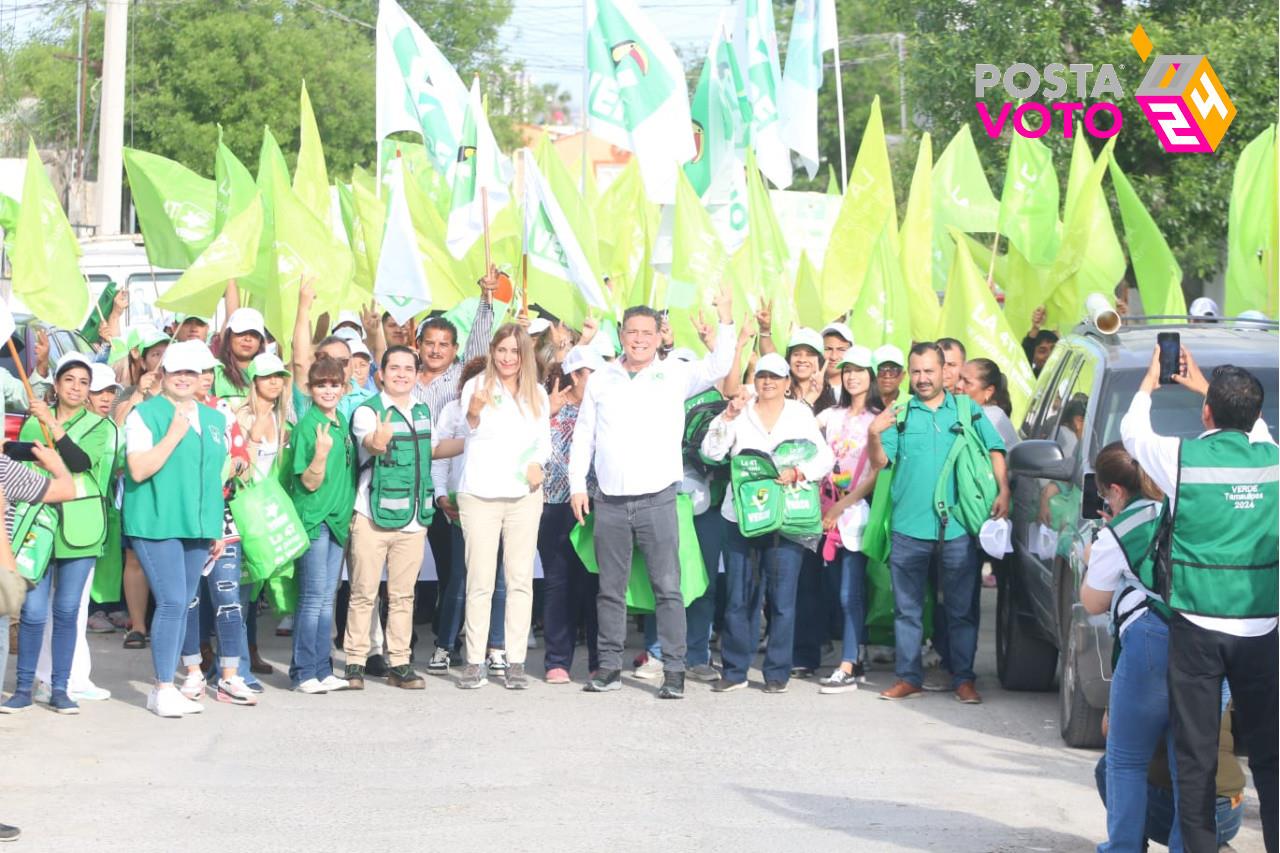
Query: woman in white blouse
{"points": [[770, 561], [508, 425]]}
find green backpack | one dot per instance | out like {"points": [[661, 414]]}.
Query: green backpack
{"points": [[970, 462], [699, 411], [764, 506]]}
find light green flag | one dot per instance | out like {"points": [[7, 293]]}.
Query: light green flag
{"points": [[310, 178], [961, 198], [629, 223], [833, 185], [808, 294], [1253, 229], [46, 256], [1090, 258], [479, 180], [175, 206], [766, 245], [868, 204], [881, 315], [916, 248], [235, 187], [698, 258], [232, 254], [1029, 203], [970, 313], [8, 220], [575, 208], [370, 221], [1154, 266]]}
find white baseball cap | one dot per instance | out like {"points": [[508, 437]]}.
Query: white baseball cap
{"points": [[358, 348], [604, 346], [348, 317], [149, 336], [995, 536], [188, 355], [774, 364], [805, 337], [580, 357], [101, 378], [73, 358], [538, 325], [247, 320], [264, 365], [1203, 306], [857, 356], [888, 353], [840, 330]]}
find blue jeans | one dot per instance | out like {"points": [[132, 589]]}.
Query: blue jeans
{"points": [[751, 565], [71, 575], [701, 612], [225, 614], [1160, 810], [958, 569], [569, 591], [853, 602], [454, 601], [1139, 714], [811, 612], [316, 573], [172, 567]]}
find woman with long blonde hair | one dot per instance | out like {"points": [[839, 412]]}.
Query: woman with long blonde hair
{"points": [[500, 496]]}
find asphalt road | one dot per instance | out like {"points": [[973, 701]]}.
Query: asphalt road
{"points": [[551, 769]]}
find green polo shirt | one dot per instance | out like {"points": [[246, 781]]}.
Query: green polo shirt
{"points": [[916, 456], [332, 503]]}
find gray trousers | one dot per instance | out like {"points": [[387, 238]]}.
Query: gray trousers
{"points": [[647, 522]]}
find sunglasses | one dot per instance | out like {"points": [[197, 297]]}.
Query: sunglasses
{"points": [[888, 370]]}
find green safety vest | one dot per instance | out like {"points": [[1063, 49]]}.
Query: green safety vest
{"points": [[1136, 528], [183, 500], [400, 488], [1225, 535]]}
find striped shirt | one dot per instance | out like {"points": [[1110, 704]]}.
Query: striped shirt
{"points": [[20, 484]]}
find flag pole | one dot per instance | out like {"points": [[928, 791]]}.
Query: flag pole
{"points": [[484, 215], [26, 383], [991, 268], [844, 168], [586, 88]]}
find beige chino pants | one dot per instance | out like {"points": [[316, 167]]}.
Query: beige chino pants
{"points": [[371, 548]]}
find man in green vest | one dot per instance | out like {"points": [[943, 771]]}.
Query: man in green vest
{"points": [[1220, 581], [394, 504]]}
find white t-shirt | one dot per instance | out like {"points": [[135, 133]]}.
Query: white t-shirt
{"points": [[506, 441], [137, 435], [364, 421]]}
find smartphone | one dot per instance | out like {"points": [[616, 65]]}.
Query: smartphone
{"points": [[20, 451], [1170, 344]]}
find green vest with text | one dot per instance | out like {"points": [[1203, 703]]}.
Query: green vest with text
{"points": [[182, 500], [400, 487], [1226, 531], [1136, 529]]}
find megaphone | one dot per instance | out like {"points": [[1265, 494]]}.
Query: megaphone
{"points": [[1102, 314]]}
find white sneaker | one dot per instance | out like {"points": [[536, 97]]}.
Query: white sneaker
{"points": [[235, 691], [167, 701], [332, 682], [311, 685], [496, 661], [98, 623], [193, 685], [92, 693], [650, 669]]}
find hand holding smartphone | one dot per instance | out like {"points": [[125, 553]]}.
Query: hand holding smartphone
{"points": [[1170, 344]]}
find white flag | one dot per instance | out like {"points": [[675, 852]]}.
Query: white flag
{"points": [[637, 98], [400, 283], [549, 240], [417, 88], [480, 169], [813, 33], [757, 45]]}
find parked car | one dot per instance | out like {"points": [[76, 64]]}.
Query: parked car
{"points": [[1080, 398], [61, 341]]}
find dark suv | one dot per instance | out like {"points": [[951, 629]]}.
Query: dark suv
{"points": [[1080, 398]]}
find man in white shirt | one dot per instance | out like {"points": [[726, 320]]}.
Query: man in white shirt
{"points": [[631, 422], [1222, 490]]}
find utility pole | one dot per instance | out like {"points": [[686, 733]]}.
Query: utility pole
{"points": [[82, 90], [111, 131]]}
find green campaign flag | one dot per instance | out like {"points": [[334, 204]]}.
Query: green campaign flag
{"points": [[808, 294], [698, 257], [479, 179], [868, 204], [370, 221], [430, 180], [91, 331], [636, 95], [450, 277], [766, 246], [756, 40], [576, 210], [721, 115], [1253, 229], [961, 198], [236, 189], [175, 206], [881, 315], [8, 220], [46, 255], [1154, 266], [261, 283], [310, 178], [1090, 258], [916, 248], [1029, 203], [630, 223], [970, 313], [833, 186], [232, 254]]}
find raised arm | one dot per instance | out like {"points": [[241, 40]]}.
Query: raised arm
{"points": [[304, 352], [716, 365]]}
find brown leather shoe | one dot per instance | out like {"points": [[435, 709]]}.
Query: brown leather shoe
{"points": [[405, 678], [967, 694], [902, 690]]}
